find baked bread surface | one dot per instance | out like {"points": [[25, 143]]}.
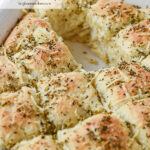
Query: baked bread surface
{"points": [[48, 102], [38, 143], [98, 132], [36, 47], [20, 116], [125, 91], [69, 98]]}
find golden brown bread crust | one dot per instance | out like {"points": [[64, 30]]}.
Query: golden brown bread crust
{"points": [[46, 59], [27, 25], [20, 116], [99, 132], [125, 91], [132, 43], [122, 84], [68, 98], [36, 47], [115, 14]]}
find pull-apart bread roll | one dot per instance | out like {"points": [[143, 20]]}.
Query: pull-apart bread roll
{"points": [[125, 91], [68, 98], [35, 46], [20, 117], [106, 18], [12, 77], [70, 20], [122, 84], [37, 143], [137, 113], [132, 43], [99, 132]]}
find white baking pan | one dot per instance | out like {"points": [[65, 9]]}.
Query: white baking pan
{"points": [[82, 53]]}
